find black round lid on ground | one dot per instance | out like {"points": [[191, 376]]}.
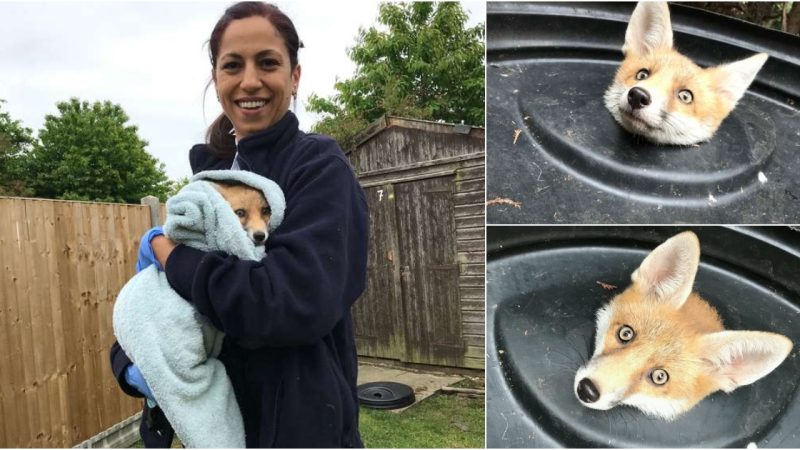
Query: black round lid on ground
{"points": [[385, 395]]}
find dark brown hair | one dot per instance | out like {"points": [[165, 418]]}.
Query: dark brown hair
{"points": [[219, 137]]}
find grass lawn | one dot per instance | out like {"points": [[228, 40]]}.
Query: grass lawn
{"points": [[440, 421]]}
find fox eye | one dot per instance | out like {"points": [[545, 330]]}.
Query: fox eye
{"points": [[241, 212], [625, 334], [686, 96], [659, 376], [266, 211], [642, 74]]}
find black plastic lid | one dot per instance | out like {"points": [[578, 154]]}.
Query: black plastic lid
{"points": [[385, 395]]}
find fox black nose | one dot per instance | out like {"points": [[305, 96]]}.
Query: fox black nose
{"points": [[259, 237], [638, 98], [587, 391]]}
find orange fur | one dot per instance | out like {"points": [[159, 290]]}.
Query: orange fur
{"points": [[666, 338], [674, 101], [251, 207], [674, 331], [672, 72]]}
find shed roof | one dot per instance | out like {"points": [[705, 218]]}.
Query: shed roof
{"points": [[386, 122]]}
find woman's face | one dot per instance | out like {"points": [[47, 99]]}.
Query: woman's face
{"points": [[253, 77]]}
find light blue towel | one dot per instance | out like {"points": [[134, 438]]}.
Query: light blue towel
{"points": [[173, 345]]}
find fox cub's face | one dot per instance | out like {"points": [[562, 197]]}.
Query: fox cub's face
{"points": [[661, 348], [251, 207], [662, 95]]}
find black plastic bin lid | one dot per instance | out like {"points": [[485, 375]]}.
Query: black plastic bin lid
{"points": [[554, 148], [385, 395], [544, 285]]}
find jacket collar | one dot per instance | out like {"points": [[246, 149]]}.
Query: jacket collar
{"points": [[274, 137]]}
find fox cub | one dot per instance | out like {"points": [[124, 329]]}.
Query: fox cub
{"points": [[662, 95], [250, 206], [661, 348]]}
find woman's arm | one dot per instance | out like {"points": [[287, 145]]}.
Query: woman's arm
{"points": [[162, 248], [314, 269]]}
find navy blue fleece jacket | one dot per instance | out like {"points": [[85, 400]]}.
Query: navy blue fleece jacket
{"points": [[290, 347]]}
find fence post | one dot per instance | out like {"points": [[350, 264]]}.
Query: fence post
{"points": [[155, 210]]}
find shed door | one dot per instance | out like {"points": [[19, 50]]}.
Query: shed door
{"points": [[429, 271], [378, 314]]}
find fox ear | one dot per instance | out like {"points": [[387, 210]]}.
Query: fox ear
{"points": [[738, 358], [648, 29], [734, 78], [667, 273]]}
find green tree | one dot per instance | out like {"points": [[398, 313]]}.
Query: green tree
{"points": [[178, 185], [88, 152], [15, 142], [423, 62]]}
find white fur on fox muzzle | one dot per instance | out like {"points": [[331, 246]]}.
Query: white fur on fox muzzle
{"points": [[638, 117], [653, 121], [664, 408], [590, 394]]}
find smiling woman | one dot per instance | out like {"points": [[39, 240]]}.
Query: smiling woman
{"points": [[289, 348], [255, 70], [254, 76]]}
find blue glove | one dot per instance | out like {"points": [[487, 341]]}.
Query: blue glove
{"points": [[146, 255], [134, 378]]}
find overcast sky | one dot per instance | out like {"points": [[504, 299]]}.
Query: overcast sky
{"points": [[151, 58]]}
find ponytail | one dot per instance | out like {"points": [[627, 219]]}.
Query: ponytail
{"points": [[219, 138]]}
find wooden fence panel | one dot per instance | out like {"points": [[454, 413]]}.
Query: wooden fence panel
{"points": [[61, 267]]}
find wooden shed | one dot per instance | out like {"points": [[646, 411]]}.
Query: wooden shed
{"points": [[424, 301]]}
